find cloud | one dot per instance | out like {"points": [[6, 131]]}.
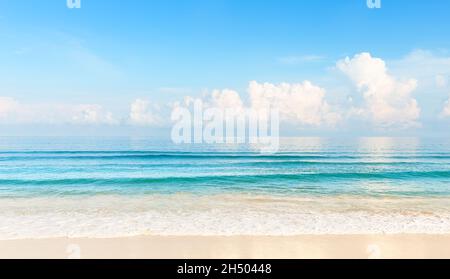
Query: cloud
{"points": [[425, 62], [15, 112], [429, 68], [383, 97], [92, 114], [226, 99], [143, 113], [221, 99], [388, 101], [301, 103]]}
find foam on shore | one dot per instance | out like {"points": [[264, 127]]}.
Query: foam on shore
{"points": [[219, 215]]}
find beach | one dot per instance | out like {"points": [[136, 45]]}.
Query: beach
{"points": [[234, 247], [315, 198]]}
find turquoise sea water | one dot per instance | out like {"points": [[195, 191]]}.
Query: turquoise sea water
{"points": [[141, 186], [304, 166]]}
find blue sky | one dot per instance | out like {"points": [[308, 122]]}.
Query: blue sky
{"points": [[110, 53]]}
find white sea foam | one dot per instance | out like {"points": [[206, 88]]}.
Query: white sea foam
{"points": [[119, 216]]}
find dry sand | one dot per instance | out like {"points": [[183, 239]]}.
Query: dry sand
{"points": [[236, 247]]}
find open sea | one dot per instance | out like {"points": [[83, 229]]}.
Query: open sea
{"points": [[110, 187]]}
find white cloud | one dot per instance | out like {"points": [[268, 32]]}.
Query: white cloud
{"points": [[424, 62], [143, 113], [388, 101], [15, 112], [384, 97], [92, 114], [226, 99], [431, 69], [301, 103], [221, 99]]}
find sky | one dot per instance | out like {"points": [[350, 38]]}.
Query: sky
{"points": [[120, 67]]}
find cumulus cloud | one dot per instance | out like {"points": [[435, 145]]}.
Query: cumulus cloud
{"points": [[15, 112], [223, 99], [226, 99], [220, 99], [301, 103], [388, 101], [383, 96], [143, 113]]}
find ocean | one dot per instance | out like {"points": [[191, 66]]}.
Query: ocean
{"points": [[110, 187]]}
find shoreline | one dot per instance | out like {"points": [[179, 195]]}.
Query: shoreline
{"points": [[412, 246], [183, 214]]}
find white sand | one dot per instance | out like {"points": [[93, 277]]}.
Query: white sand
{"points": [[247, 247]]}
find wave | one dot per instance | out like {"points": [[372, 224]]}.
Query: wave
{"points": [[208, 156], [240, 178]]}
